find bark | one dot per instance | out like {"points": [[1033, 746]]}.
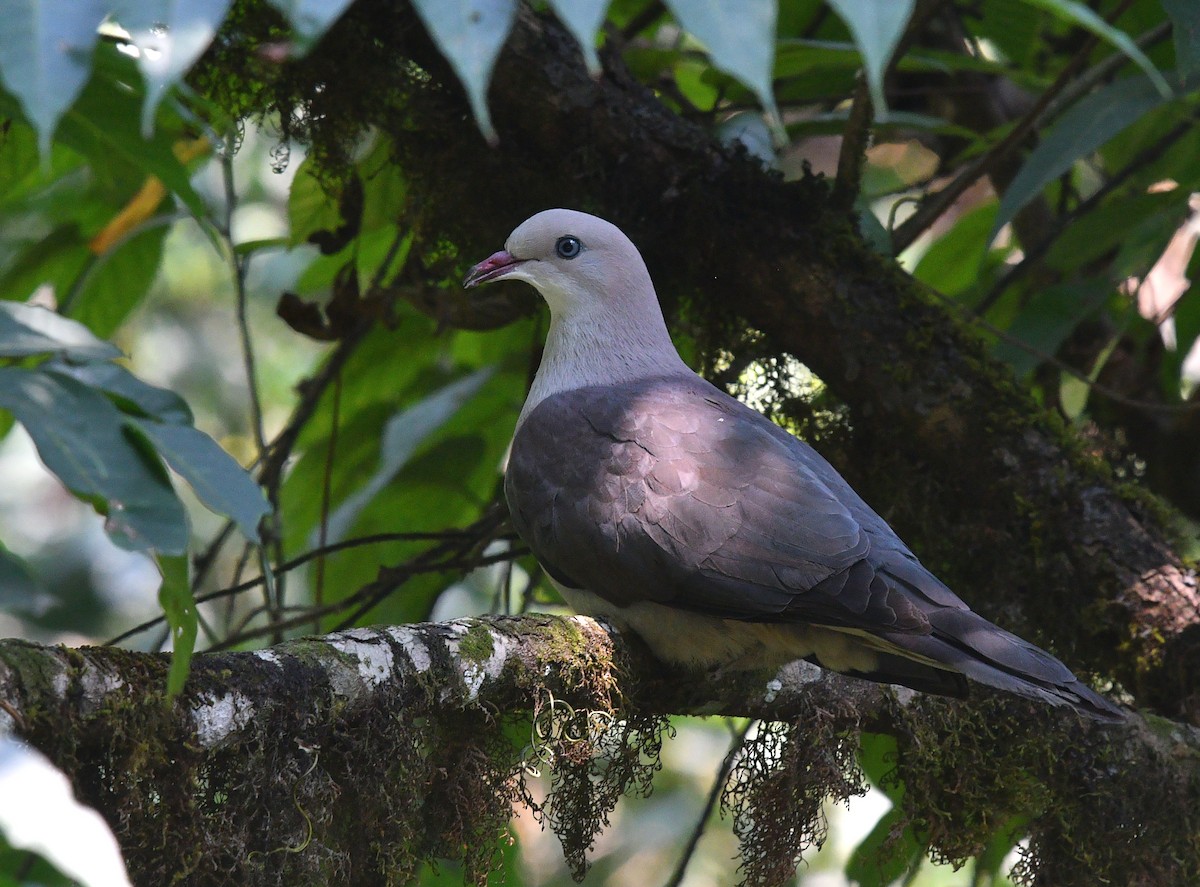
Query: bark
{"points": [[207, 787], [993, 493]]}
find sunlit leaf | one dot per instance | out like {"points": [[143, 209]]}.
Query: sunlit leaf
{"points": [[469, 34], [1081, 130], [739, 37], [877, 28], [175, 597], [29, 329], [218, 481], [1078, 14], [45, 54], [1185, 26], [1073, 395], [310, 207], [80, 436], [583, 19]]}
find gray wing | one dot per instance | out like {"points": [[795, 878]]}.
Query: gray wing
{"points": [[671, 491], [676, 493]]}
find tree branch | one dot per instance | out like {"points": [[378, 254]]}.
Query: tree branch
{"points": [[319, 726]]}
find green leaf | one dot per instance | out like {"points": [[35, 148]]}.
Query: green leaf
{"points": [[1046, 321], [402, 435], [45, 54], [469, 34], [103, 124], [310, 208], [175, 597], [116, 284], [1077, 14], [311, 18], [131, 394], [28, 329], [1081, 130], [583, 19], [890, 851], [217, 479], [1185, 25], [877, 28], [951, 264], [1073, 395], [739, 37], [170, 36], [20, 592], [80, 436]]}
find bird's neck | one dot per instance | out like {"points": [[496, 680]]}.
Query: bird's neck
{"points": [[597, 348]]}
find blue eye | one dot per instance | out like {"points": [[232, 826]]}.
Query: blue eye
{"points": [[568, 247]]}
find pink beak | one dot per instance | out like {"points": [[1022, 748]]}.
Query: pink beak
{"points": [[494, 266]]}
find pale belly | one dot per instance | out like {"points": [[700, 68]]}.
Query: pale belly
{"points": [[698, 641]]}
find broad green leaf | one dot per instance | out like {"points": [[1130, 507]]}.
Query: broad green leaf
{"points": [[311, 18], [45, 54], [1078, 14], [469, 34], [131, 395], [739, 37], [886, 854], [309, 207], [218, 481], [80, 436], [20, 592], [952, 262], [991, 860], [28, 329], [175, 597], [401, 437], [1081, 130], [1045, 322], [103, 123], [116, 284], [583, 19], [170, 36], [877, 28], [1185, 25]]}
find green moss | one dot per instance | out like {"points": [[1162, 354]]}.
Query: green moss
{"points": [[477, 645]]}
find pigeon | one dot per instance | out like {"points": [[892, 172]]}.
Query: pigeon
{"points": [[659, 502]]}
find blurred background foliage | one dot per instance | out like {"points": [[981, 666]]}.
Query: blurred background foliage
{"points": [[1032, 162]]}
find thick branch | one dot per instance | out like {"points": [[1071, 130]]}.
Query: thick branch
{"points": [[321, 725]]}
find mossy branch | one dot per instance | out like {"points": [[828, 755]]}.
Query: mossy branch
{"points": [[372, 750]]}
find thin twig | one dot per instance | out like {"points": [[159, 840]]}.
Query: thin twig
{"points": [[326, 491], [714, 796]]}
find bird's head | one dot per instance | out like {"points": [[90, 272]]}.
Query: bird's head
{"points": [[577, 262]]}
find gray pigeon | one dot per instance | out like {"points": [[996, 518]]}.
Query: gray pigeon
{"points": [[660, 502]]}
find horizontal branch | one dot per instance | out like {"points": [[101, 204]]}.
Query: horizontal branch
{"points": [[341, 727]]}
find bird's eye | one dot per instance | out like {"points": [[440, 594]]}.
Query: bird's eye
{"points": [[568, 247]]}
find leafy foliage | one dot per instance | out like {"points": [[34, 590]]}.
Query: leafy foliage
{"points": [[1032, 162]]}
